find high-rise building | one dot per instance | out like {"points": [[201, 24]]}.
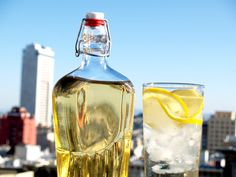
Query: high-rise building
{"points": [[37, 82], [17, 127], [204, 135], [220, 125]]}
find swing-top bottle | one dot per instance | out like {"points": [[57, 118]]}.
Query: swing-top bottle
{"points": [[93, 109]]}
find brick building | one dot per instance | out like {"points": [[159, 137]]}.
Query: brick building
{"points": [[17, 127]]}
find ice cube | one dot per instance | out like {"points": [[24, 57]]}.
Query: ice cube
{"points": [[192, 132], [159, 153], [155, 137], [191, 142], [156, 145], [190, 162], [178, 144]]}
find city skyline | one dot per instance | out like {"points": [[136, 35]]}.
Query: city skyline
{"points": [[152, 41]]}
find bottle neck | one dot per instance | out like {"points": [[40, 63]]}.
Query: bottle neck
{"points": [[93, 39], [94, 62]]}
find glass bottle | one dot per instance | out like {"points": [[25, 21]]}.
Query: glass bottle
{"points": [[93, 109]]}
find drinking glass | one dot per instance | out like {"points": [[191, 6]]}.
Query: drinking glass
{"points": [[172, 118]]}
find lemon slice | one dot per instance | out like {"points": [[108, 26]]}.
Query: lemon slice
{"points": [[173, 105], [179, 106], [193, 100]]}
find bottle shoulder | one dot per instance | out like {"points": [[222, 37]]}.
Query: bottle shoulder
{"points": [[100, 74], [96, 72]]}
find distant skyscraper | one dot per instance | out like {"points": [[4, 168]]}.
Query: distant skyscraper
{"points": [[37, 82], [220, 125]]}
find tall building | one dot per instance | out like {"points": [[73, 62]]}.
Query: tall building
{"points": [[204, 135], [37, 82], [220, 125], [17, 127]]}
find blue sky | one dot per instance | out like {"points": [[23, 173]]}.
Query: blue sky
{"points": [[160, 40]]}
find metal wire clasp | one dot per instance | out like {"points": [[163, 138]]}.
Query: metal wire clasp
{"points": [[78, 42]]}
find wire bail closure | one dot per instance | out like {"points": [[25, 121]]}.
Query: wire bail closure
{"points": [[78, 42]]}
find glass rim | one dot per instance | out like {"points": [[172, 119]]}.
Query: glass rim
{"points": [[172, 84]]}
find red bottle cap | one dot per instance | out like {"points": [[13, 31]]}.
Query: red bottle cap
{"points": [[94, 19]]}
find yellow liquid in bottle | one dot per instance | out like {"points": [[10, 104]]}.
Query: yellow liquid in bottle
{"points": [[93, 127]]}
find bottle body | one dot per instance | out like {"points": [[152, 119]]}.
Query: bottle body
{"points": [[93, 126]]}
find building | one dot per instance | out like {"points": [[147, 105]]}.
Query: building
{"points": [[230, 141], [204, 136], [136, 169], [45, 138], [220, 125], [17, 127], [37, 82], [230, 158], [137, 130], [3, 130], [27, 152], [210, 172]]}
